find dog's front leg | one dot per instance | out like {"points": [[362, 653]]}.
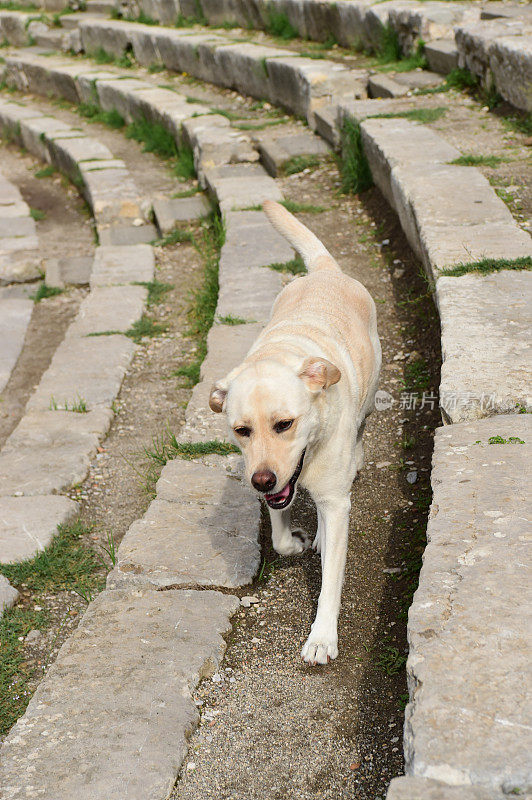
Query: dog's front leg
{"points": [[287, 542], [322, 644]]}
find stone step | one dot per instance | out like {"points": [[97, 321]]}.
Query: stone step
{"points": [[28, 524], [468, 626], [299, 84], [103, 180], [408, 788], [19, 246], [169, 213], [499, 52], [8, 595], [100, 6], [112, 717], [441, 55], [15, 315], [278, 151]]}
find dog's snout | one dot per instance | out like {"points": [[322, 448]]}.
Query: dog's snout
{"points": [[264, 480]]}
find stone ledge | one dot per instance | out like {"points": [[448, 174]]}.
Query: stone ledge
{"points": [[112, 717], [28, 524], [468, 720], [408, 788]]}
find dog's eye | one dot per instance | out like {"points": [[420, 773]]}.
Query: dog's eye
{"points": [[279, 427], [243, 431]]}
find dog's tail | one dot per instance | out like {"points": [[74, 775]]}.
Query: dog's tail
{"points": [[312, 251]]}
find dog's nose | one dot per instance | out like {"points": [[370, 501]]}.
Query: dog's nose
{"points": [[264, 480]]}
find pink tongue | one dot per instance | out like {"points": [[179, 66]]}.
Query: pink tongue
{"points": [[282, 495]]}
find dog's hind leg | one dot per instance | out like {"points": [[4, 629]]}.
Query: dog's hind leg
{"points": [[322, 644], [287, 542]]}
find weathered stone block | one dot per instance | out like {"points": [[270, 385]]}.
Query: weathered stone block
{"points": [[28, 524], [485, 321], [8, 594], [118, 265], [180, 209], [205, 532], [108, 308], [409, 788], [15, 314], [113, 714], [58, 445], [468, 720], [442, 55]]}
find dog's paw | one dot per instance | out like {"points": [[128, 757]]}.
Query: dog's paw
{"points": [[300, 541], [319, 648]]}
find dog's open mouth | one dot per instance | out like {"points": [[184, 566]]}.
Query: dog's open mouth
{"points": [[283, 498]]}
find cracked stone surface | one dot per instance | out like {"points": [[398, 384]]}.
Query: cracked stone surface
{"points": [[28, 524], [468, 720], [121, 686], [202, 529], [485, 324]]}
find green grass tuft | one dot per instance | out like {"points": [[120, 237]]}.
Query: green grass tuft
{"points": [[177, 236], [522, 123], [487, 265], [230, 320], [203, 306], [278, 24], [45, 172], [388, 49], [295, 266], [157, 290], [354, 167], [37, 214], [145, 327], [45, 291], [184, 167], [460, 78], [424, 115], [166, 448], [470, 160], [94, 113], [299, 163], [155, 138], [300, 208]]}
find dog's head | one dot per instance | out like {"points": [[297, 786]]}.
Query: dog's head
{"points": [[274, 414]]}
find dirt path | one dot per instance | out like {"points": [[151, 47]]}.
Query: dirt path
{"points": [[271, 727]]}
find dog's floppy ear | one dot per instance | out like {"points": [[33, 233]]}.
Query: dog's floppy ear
{"points": [[217, 396], [318, 373]]}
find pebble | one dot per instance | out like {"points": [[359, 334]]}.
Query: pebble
{"points": [[412, 476], [33, 637], [382, 464], [247, 601]]}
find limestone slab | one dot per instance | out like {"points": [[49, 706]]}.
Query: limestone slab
{"points": [[28, 524], [227, 347], [441, 55], [120, 235], [115, 265], [8, 595], [109, 308], [68, 271], [469, 668], [112, 716], [486, 348], [277, 151], [50, 451], [385, 86], [409, 788], [204, 533], [85, 370], [168, 212], [15, 314], [233, 194]]}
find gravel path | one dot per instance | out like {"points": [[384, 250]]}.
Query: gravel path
{"points": [[272, 727]]}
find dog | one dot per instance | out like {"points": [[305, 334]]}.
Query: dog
{"points": [[297, 405]]}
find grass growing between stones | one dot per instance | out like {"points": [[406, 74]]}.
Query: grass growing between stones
{"points": [[157, 290], [299, 163], [278, 25], [94, 113], [300, 208], [45, 172], [230, 320], [424, 115], [354, 168], [68, 564], [471, 160], [45, 291], [203, 305], [167, 448], [156, 139], [37, 214], [294, 267], [487, 265]]}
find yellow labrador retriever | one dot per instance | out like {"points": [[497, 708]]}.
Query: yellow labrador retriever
{"points": [[296, 406]]}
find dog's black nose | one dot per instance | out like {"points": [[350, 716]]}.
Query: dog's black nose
{"points": [[264, 480]]}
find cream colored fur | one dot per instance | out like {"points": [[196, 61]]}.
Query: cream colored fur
{"points": [[316, 364]]}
